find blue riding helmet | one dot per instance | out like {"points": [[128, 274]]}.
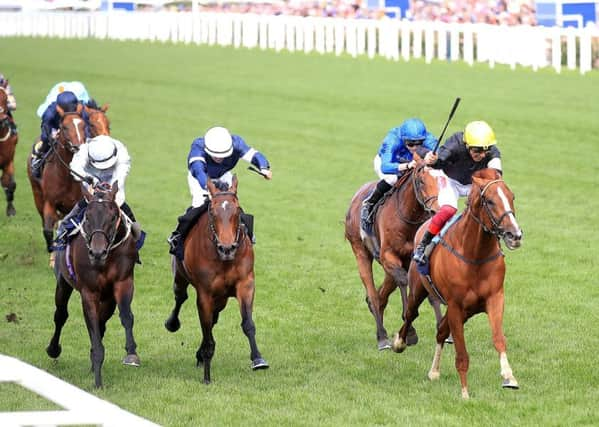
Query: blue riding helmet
{"points": [[413, 130], [67, 101]]}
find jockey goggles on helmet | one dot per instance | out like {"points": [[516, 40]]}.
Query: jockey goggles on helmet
{"points": [[479, 137], [218, 142], [102, 152]]}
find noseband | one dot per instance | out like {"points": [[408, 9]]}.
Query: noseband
{"points": [[495, 229], [217, 243]]}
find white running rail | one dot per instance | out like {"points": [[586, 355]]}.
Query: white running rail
{"points": [[80, 407], [535, 47]]}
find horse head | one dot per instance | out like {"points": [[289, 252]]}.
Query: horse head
{"points": [[101, 221], [425, 186], [493, 207], [224, 219], [98, 121], [72, 129]]}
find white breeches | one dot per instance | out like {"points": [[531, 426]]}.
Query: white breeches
{"points": [[450, 190], [389, 178], [198, 194]]}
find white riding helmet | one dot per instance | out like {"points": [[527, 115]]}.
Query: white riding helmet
{"points": [[218, 142], [102, 152]]}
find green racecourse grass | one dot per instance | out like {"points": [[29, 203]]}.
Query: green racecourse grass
{"points": [[319, 120]]}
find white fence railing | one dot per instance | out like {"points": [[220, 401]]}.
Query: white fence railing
{"points": [[535, 47], [80, 408]]}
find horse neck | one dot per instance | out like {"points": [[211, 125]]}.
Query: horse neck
{"points": [[475, 242], [405, 202]]}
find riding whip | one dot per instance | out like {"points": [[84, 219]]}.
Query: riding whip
{"points": [[455, 106]]}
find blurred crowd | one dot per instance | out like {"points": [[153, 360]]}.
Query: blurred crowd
{"points": [[513, 12]]}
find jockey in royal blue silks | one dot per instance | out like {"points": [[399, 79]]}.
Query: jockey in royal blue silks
{"points": [[68, 101], [395, 156], [212, 157]]}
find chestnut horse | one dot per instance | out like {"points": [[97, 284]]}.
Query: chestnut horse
{"points": [[57, 192], [98, 121], [467, 269], [8, 143], [219, 263], [99, 263], [409, 204]]}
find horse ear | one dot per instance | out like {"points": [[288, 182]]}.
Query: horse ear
{"points": [[234, 184], [79, 108], [104, 107], [59, 110], [87, 109], [211, 187], [115, 189]]}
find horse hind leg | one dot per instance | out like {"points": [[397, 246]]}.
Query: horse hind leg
{"points": [[172, 323], [442, 336], [436, 304], [61, 299], [9, 185]]}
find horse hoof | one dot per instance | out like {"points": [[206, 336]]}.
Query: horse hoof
{"points": [[10, 211], [132, 360], [172, 325], [384, 345], [449, 340], [412, 339], [433, 376], [259, 363], [510, 383], [399, 344], [54, 352]]}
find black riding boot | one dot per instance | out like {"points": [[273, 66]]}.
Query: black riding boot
{"points": [[381, 188], [420, 251], [185, 222], [37, 159], [248, 221], [63, 228]]}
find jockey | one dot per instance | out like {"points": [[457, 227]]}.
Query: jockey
{"points": [[463, 154], [76, 87], [12, 101], [395, 156], [69, 102], [212, 157], [100, 159]]}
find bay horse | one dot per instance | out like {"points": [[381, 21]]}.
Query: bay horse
{"points": [[98, 121], [8, 144], [219, 263], [56, 192], [99, 262], [467, 270], [409, 204]]}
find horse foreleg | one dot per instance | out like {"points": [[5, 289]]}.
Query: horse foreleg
{"points": [[495, 312], [50, 218], [9, 185], [173, 324], [123, 294], [417, 295], [364, 261], [456, 320], [206, 351], [90, 303], [61, 299], [245, 296]]}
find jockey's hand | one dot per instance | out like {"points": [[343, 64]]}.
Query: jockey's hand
{"points": [[267, 173], [430, 158], [412, 164], [89, 180]]}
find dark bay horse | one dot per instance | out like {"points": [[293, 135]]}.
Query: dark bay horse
{"points": [[99, 263], [98, 121], [219, 263], [467, 269], [409, 205], [8, 143], [56, 192]]}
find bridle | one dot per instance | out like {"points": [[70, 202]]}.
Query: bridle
{"points": [[67, 143], [220, 247], [425, 203], [495, 229], [88, 236]]}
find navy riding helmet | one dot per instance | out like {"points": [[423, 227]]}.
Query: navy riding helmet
{"points": [[413, 130], [67, 101]]}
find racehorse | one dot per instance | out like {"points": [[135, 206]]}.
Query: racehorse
{"points": [[409, 204], [219, 263], [8, 143], [56, 192], [99, 263], [467, 270], [98, 121]]}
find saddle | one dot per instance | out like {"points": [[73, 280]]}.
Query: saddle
{"points": [[367, 227]]}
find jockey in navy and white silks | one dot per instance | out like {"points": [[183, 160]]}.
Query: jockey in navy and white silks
{"points": [[77, 88], [395, 156], [213, 156], [463, 154], [100, 159]]}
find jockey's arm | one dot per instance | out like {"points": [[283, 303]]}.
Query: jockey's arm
{"points": [[389, 145], [79, 163], [11, 101], [121, 171]]}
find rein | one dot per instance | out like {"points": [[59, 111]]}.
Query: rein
{"points": [[71, 148], [112, 244], [214, 236]]}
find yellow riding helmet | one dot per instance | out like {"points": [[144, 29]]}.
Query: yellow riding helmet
{"points": [[479, 134]]}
